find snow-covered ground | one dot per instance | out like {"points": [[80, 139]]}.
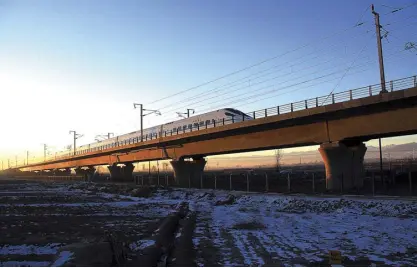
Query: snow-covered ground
{"points": [[296, 230]]}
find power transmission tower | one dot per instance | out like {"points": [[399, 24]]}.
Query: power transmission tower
{"points": [[380, 55]]}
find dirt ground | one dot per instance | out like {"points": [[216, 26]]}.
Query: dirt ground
{"points": [[38, 218]]}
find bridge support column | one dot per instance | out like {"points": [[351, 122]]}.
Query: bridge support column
{"points": [[121, 173], [188, 173], [127, 171], [344, 165], [115, 172], [87, 173], [65, 172]]}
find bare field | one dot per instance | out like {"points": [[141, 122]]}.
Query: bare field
{"points": [[37, 219], [44, 223]]}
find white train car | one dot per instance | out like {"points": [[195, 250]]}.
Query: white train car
{"points": [[193, 123]]}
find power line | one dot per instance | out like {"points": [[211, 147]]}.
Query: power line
{"points": [[347, 70], [257, 64], [230, 85], [297, 89], [261, 82], [305, 81], [398, 9], [359, 23], [302, 76], [223, 104], [291, 91]]}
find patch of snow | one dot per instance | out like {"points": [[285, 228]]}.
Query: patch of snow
{"points": [[29, 249], [25, 264], [63, 257], [141, 244]]}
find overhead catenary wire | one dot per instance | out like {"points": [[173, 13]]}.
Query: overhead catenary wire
{"points": [[347, 70], [262, 82], [398, 9], [297, 89], [257, 64], [293, 85], [204, 110], [249, 77], [246, 79], [234, 102], [359, 23]]}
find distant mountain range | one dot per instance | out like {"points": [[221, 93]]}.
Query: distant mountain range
{"points": [[392, 151]]}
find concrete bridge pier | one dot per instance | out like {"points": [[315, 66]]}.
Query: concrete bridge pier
{"points": [[64, 172], [127, 171], [86, 173], [188, 173], [121, 173], [344, 165]]}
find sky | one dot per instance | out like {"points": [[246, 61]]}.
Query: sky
{"points": [[80, 65]]}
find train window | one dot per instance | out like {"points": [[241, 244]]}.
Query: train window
{"points": [[207, 122], [190, 126], [174, 129], [196, 125], [213, 121], [201, 123], [184, 127]]}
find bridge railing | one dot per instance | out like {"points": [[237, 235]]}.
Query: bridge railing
{"points": [[353, 94], [338, 97]]}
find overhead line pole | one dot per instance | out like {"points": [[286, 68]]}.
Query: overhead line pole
{"points": [[380, 55], [45, 147], [108, 135], [381, 73], [141, 118], [143, 115], [187, 113], [76, 136]]}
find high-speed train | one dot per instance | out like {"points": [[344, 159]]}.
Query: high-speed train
{"points": [[193, 123]]}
